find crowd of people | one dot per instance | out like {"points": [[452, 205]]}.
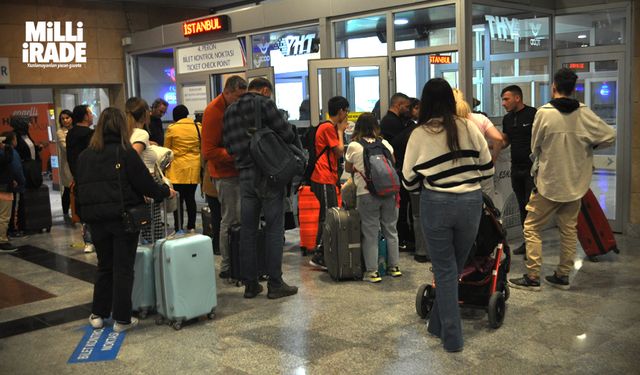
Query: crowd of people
{"points": [[442, 150]]}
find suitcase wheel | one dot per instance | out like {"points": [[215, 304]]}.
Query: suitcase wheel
{"points": [[142, 314], [160, 321], [177, 325], [616, 250], [48, 229], [593, 258], [211, 315]]}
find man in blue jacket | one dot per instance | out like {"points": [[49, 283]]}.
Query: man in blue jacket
{"points": [[11, 180]]}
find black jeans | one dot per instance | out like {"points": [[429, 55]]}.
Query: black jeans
{"points": [[66, 200], [187, 196], [328, 198], [522, 184], [216, 218], [405, 224], [116, 252], [256, 197]]}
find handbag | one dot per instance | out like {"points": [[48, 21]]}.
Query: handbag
{"points": [[133, 218]]}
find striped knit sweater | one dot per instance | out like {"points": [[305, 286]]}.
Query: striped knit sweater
{"points": [[429, 161]]}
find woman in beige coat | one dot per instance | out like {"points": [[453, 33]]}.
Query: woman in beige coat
{"points": [[65, 122]]}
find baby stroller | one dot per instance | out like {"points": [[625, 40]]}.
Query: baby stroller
{"points": [[483, 282]]}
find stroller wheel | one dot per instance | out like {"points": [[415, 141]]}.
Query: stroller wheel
{"points": [[497, 310], [424, 300]]}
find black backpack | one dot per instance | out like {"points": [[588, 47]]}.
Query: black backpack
{"points": [[278, 161], [310, 147]]}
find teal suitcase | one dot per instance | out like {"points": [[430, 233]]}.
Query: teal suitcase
{"points": [[143, 295], [185, 279], [382, 255]]}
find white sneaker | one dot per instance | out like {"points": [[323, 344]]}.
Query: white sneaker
{"points": [[89, 248], [96, 321], [119, 327]]}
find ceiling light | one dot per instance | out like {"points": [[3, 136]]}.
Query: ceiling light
{"points": [[582, 36], [401, 21]]}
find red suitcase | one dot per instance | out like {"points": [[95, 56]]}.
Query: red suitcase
{"points": [[594, 232]]}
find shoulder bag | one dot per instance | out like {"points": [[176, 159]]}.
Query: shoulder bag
{"points": [[134, 218]]}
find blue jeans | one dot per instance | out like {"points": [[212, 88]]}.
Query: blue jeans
{"points": [[258, 198], [450, 224]]}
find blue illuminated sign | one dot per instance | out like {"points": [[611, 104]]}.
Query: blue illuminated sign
{"points": [[170, 96], [604, 90]]}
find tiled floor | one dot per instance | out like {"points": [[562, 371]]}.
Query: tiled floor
{"points": [[329, 327]]}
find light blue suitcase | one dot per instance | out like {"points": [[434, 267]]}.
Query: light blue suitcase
{"points": [[143, 296], [185, 279]]}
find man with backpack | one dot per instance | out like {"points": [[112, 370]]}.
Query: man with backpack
{"points": [[243, 121], [328, 146]]}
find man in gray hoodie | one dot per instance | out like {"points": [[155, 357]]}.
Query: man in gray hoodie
{"points": [[565, 133]]}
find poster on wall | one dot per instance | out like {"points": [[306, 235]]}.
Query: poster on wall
{"points": [[194, 97], [41, 119]]}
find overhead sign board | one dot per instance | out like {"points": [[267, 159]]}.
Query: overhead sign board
{"points": [[205, 25], [210, 56], [440, 59]]}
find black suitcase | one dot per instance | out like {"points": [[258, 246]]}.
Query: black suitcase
{"points": [[234, 253], [34, 210], [211, 230], [341, 242]]}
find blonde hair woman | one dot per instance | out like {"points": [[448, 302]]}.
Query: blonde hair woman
{"points": [[463, 110], [138, 116]]}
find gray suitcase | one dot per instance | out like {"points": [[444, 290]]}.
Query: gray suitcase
{"points": [[341, 241]]}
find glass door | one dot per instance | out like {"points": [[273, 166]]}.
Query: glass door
{"points": [[363, 81], [601, 87]]}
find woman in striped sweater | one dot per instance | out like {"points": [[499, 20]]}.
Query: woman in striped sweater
{"points": [[447, 157]]}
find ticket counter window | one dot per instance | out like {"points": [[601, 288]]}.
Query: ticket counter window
{"points": [[590, 29], [288, 52], [361, 37], [428, 27], [510, 47], [156, 78]]}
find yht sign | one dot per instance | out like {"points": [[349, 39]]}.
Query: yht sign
{"points": [[53, 44]]}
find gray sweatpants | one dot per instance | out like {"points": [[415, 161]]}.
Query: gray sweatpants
{"points": [[378, 213], [229, 197]]}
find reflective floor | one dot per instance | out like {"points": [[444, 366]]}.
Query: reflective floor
{"points": [[328, 327]]}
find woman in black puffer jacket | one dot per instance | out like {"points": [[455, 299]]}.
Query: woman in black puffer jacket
{"points": [[100, 194]]}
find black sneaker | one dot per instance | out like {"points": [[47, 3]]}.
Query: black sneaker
{"points": [[7, 247], [560, 282], [252, 289], [317, 260], [421, 258], [225, 274], [282, 290], [522, 250], [525, 283]]}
